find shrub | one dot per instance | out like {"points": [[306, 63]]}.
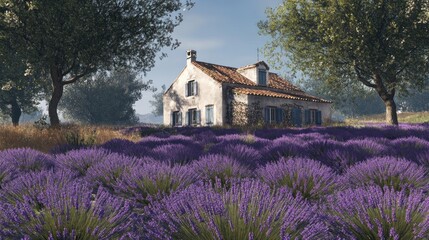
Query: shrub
{"points": [[398, 174], [153, 180], [68, 212], [285, 147], [248, 210], [176, 153], [409, 147], [14, 162], [379, 213], [30, 185], [79, 161], [110, 170], [212, 168], [304, 177], [244, 154]]}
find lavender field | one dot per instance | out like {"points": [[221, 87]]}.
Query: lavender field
{"points": [[201, 183]]}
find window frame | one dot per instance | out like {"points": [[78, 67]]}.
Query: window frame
{"points": [[177, 119], [262, 72], [209, 107], [194, 116], [191, 88]]}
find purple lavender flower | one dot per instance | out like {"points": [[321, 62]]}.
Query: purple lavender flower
{"points": [[14, 162], [30, 185], [79, 161], [409, 147], [110, 170], [399, 174], [304, 177], [284, 147], [153, 180], [68, 212], [176, 153], [379, 213], [211, 167], [244, 154], [117, 145], [248, 208]]}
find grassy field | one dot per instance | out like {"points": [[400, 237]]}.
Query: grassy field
{"points": [[45, 139], [404, 117]]}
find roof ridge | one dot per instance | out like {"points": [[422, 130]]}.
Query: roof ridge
{"points": [[216, 65]]}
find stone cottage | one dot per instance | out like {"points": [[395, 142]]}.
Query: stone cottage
{"points": [[206, 94]]}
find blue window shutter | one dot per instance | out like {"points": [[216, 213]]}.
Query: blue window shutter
{"points": [[307, 116], [172, 119], [195, 88], [296, 117], [198, 116], [319, 117], [283, 115], [266, 115], [179, 120], [278, 115], [186, 89]]}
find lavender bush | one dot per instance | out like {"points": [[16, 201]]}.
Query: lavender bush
{"points": [[304, 177], [244, 154], [248, 210], [68, 212], [14, 162], [398, 174], [379, 213], [176, 154], [30, 185], [79, 161], [110, 170], [212, 168], [153, 180]]}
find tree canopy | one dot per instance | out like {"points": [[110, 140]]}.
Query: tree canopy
{"points": [[20, 91], [157, 102], [105, 98], [382, 44], [68, 39]]}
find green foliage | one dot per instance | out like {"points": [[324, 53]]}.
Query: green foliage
{"points": [[381, 44], [106, 98], [69, 39], [19, 88], [157, 102], [75, 138]]}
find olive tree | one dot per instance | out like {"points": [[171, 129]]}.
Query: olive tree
{"points": [[69, 39], [382, 44]]}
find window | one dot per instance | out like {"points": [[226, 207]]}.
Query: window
{"points": [[176, 118], [313, 116], [193, 116], [191, 88], [262, 77], [209, 115], [274, 115]]}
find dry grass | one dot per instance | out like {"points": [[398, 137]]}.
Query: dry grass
{"points": [[404, 117], [44, 139]]}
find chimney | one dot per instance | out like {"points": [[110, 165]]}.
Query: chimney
{"points": [[191, 56]]}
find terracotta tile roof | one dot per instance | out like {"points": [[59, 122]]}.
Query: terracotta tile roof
{"points": [[223, 74], [277, 86], [270, 93]]}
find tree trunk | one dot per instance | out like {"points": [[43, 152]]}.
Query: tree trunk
{"points": [[391, 114], [57, 93], [15, 113]]}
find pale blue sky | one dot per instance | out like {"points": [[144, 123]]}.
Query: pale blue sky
{"points": [[221, 31]]}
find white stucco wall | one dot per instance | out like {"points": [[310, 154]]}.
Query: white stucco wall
{"points": [[209, 93]]}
